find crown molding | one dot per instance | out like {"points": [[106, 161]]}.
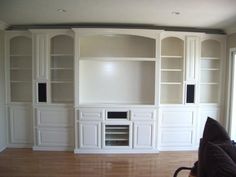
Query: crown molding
{"points": [[115, 25], [3, 25]]}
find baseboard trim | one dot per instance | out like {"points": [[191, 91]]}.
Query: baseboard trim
{"points": [[178, 148], [39, 148], [2, 148], [115, 151], [19, 146]]}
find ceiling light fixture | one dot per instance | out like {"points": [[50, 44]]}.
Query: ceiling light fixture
{"points": [[175, 13], [61, 10]]}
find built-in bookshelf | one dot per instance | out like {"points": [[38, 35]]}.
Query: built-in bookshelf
{"points": [[20, 69], [172, 62], [62, 69], [210, 71]]}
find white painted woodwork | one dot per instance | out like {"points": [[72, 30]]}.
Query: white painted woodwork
{"points": [[20, 123], [143, 114], [210, 74], [176, 138], [3, 123], [56, 137], [172, 70], [3, 131], [61, 68], [41, 56], [192, 55], [143, 134], [54, 127], [178, 128], [177, 118], [141, 72], [19, 67], [91, 114], [54, 117], [90, 135]]}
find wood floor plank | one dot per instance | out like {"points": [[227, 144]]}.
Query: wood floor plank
{"points": [[28, 163]]}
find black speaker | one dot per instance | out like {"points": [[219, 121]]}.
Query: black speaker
{"points": [[42, 92]]}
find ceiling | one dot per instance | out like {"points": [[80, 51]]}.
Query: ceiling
{"points": [[216, 14]]}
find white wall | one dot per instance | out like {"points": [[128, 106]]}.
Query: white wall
{"points": [[3, 136]]}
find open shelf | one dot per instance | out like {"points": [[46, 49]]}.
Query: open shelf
{"points": [[62, 92], [20, 69], [210, 71], [172, 62], [172, 93], [118, 58], [117, 82], [62, 69], [210, 93], [116, 135], [21, 91]]}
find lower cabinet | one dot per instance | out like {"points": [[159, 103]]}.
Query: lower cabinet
{"points": [[144, 134], [89, 135], [20, 126], [54, 128], [177, 129], [55, 137], [115, 130]]}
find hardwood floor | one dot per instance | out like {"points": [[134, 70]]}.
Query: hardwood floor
{"points": [[28, 163]]}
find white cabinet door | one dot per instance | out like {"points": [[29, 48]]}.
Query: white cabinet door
{"points": [[54, 139], [54, 128], [90, 135], [90, 114], [54, 117], [143, 114], [20, 120], [178, 128], [143, 134]]}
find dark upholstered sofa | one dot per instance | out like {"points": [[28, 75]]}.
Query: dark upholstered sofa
{"points": [[216, 154]]}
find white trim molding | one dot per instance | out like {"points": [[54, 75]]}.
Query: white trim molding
{"points": [[228, 101]]}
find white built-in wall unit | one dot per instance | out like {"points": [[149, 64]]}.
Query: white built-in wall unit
{"points": [[19, 88], [53, 82], [116, 90], [104, 90]]}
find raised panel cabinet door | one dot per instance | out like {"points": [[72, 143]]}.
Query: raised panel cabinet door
{"points": [[176, 138], [90, 135], [178, 128], [143, 134], [55, 137], [143, 114], [90, 114], [20, 119], [192, 54], [57, 117]]}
